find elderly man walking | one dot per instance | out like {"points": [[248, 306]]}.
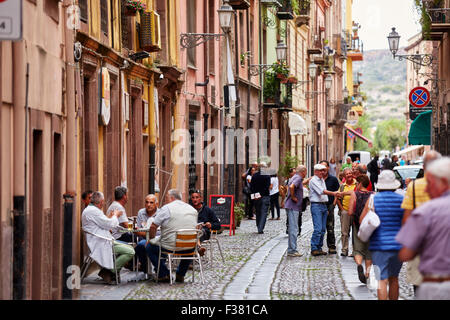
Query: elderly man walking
{"points": [[416, 195], [318, 195], [426, 233], [95, 222], [293, 208]]}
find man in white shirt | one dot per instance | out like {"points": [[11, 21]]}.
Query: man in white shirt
{"points": [[121, 199], [95, 222], [318, 195], [175, 215]]}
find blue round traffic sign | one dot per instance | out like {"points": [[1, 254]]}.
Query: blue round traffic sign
{"points": [[419, 97]]}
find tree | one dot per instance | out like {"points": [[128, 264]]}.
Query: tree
{"points": [[364, 124], [390, 134]]}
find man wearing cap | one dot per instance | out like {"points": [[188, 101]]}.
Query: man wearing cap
{"points": [[318, 195]]}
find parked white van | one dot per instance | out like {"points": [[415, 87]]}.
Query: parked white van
{"points": [[363, 156]]}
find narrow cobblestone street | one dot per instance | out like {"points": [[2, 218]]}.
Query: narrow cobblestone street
{"points": [[256, 268]]}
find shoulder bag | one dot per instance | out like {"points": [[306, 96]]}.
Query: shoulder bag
{"points": [[370, 222]]}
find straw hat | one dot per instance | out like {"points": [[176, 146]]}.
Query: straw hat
{"points": [[387, 181]]}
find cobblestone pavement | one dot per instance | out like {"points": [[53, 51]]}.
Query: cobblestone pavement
{"points": [[255, 267]]}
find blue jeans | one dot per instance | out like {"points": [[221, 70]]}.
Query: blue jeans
{"points": [[292, 216], [141, 253], [319, 213], [153, 253], [262, 209]]}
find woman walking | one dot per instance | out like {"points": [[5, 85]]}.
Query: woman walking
{"points": [[383, 246], [361, 251]]}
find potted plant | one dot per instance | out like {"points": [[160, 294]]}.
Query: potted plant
{"points": [[239, 213], [271, 86], [281, 69], [132, 6]]}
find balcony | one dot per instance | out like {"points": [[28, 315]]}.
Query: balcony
{"points": [[239, 4], [285, 12], [340, 114], [302, 11], [439, 22], [354, 46], [316, 47]]}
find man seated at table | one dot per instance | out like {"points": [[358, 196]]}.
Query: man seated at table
{"points": [[144, 220], [175, 215], [206, 216], [94, 221]]}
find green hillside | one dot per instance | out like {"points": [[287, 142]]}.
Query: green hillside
{"points": [[384, 83]]}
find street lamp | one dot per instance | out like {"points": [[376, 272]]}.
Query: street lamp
{"points": [[191, 40], [312, 68], [394, 40], [225, 14], [328, 82], [417, 59], [345, 93], [281, 50]]}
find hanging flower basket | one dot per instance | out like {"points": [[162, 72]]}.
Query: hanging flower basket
{"points": [[281, 76]]}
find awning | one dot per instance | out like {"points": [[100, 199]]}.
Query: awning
{"points": [[297, 124], [359, 135], [420, 130], [406, 150]]}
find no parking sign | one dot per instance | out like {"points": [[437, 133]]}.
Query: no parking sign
{"points": [[419, 97]]}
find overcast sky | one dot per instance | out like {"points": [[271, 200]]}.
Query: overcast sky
{"points": [[377, 17]]}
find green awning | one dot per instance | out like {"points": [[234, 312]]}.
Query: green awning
{"points": [[420, 130]]}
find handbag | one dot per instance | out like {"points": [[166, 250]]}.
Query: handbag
{"points": [[370, 222]]}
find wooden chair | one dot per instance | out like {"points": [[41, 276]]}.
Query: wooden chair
{"points": [[185, 239]]}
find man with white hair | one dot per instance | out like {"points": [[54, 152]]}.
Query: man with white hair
{"points": [[95, 222], [415, 196], [175, 215], [426, 232]]}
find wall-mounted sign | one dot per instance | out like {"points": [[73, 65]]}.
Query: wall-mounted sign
{"points": [[10, 20], [106, 97], [419, 97], [414, 111]]}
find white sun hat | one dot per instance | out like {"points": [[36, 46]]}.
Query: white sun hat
{"points": [[387, 181]]}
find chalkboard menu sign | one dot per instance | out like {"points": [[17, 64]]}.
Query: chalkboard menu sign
{"points": [[223, 207]]}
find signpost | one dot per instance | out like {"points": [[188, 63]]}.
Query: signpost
{"points": [[10, 20], [223, 207]]}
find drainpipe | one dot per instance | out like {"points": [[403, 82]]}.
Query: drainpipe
{"points": [[20, 102], [71, 228]]}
